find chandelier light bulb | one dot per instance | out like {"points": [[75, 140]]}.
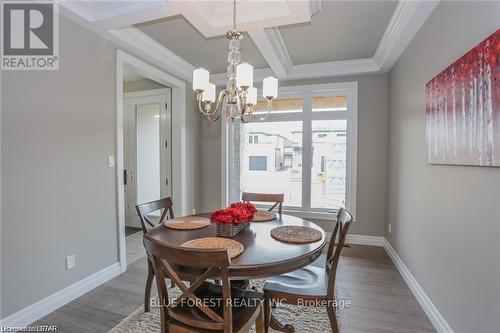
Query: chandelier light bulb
{"points": [[270, 88], [244, 75], [252, 96], [200, 79], [209, 93]]}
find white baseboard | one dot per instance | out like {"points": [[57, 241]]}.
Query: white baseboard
{"points": [[365, 240], [51, 303], [425, 302], [362, 239]]}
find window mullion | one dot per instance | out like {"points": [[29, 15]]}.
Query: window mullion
{"points": [[306, 152]]}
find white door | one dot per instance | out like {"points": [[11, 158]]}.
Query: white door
{"points": [[147, 153]]}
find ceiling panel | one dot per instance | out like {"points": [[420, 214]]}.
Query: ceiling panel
{"points": [[180, 37], [342, 30]]}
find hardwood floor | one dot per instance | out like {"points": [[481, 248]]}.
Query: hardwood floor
{"points": [[381, 301], [130, 230]]}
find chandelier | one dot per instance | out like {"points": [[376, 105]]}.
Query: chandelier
{"points": [[240, 96]]}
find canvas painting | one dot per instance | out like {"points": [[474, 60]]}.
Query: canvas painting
{"points": [[463, 109]]}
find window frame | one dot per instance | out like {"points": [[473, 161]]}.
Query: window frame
{"points": [[307, 116]]}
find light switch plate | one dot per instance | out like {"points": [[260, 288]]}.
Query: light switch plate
{"points": [[111, 161], [70, 262]]}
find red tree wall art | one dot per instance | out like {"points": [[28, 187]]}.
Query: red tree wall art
{"points": [[463, 109]]}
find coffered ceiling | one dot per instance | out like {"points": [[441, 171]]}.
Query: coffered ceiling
{"points": [[291, 39], [178, 35], [342, 30]]}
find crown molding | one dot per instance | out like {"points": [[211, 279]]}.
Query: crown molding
{"points": [[407, 19], [79, 8], [98, 11], [313, 71], [146, 45], [334, 68], [278, 44], [314, 7], [273, 49]]}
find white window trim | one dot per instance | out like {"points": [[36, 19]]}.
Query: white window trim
{"points": [[349, 89]]}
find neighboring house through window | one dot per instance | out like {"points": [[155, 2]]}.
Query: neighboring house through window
{"points": [[306, 149]]}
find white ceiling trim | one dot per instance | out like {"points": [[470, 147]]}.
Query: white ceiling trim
{"points": [[405, 23], [273, 49], [407, 19], [147, 45], [334, 68], [314, 6], [135, 42], [98, 11], [312, 71]]}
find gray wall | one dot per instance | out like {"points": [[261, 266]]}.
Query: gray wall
{"points": [[445, 219], [372, 155], [193, 154], [58, 195]]}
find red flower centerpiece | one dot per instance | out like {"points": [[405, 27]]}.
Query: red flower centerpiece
{"points": [[233, 219]]}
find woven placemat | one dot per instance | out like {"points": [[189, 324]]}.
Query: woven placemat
{"points": [[187, 223], [264, 216], [235, 248], [296, 234]]}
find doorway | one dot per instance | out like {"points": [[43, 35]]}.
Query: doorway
{"points": [[150, 78], [146, 149], [147, 157]]}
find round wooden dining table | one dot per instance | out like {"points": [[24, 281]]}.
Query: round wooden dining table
{"points": [[263, 255]]}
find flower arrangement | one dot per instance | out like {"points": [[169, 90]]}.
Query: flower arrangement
{"points": [[236, 213]]}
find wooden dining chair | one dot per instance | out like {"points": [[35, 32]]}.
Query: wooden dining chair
{"points": [[265, 197], [165, 206], [203, 306], [310, 283]]}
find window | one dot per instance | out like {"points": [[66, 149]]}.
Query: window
{"points": [[307, 150], [257, 163], [281, 148], [329, 103], [328, 174]]}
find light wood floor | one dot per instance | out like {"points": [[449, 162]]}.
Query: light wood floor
{"points": [[381, 301]]}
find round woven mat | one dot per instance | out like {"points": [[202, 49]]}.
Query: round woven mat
{"points": [[235, 248], [296, 234], [264, 216], [187, 223]]}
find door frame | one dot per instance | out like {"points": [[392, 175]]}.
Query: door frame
{"points": [[164, 95], [179, 165]]}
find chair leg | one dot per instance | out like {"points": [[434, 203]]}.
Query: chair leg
{"points": [[260, 326], [149, 283], [333, 319], [267, 313]]}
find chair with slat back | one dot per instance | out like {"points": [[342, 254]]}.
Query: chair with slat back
{"points": [[265, 197], [311, 282], [203, 306], [165, 206]]}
